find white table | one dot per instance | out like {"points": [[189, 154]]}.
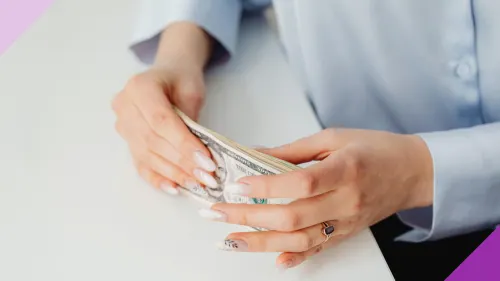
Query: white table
{"points": [[71, 205]]}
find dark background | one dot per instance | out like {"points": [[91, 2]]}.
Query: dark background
{"points": [[423, 261]]}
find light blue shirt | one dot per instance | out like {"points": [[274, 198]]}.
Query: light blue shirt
{"points": [[427, 67]]}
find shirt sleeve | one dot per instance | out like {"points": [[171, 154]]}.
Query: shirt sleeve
{"points": [[219, 18], [466, 185]]}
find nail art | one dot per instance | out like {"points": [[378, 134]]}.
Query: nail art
{"points": [[167, 188], [212, 214], [237, 188], [205, 178], [204, 162], [233, 245]]}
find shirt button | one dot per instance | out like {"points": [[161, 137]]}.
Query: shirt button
{"points": [[465, 70]]}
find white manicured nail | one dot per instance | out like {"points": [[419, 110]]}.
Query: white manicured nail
{"points": [[237, 188], [167, 188], [205, 178], [233, 245], [212, 214], [204, 162]]}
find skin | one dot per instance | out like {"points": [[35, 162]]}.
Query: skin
{"points": [[361, 176], [161, 145]]}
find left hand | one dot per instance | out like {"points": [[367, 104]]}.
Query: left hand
{"points": [[363, 177]]}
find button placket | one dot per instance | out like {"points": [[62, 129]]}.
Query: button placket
{"points": [[466, 68], [463, 70]]}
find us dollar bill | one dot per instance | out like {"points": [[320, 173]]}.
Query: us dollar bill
{"points": [[233, 162]]}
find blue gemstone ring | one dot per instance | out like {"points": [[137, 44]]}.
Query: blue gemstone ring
{"points": [[327, 230]]}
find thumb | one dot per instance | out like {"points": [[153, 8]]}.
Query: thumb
{"points": [[313, 147], [189, 97]]}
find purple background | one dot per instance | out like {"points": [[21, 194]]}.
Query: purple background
{"points": [[16, 16], [483, 264]]}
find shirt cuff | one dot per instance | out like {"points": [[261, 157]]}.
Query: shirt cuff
{"points": [[219, 18], [466, 185]]}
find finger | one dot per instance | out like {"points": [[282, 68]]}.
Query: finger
{"points": [[162, 167], [134, 128], [288, 260], [313, 147], [167, 169], [189, 96], [316, 179], [155, 108], [274, 241], [290, 217], [164, 149], [117, 101], [156, 180]]}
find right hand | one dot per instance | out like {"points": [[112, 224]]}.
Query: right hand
{"points": [[165, 153]]}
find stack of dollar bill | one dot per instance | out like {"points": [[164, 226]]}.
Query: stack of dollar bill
{"points": [[233, 161]]}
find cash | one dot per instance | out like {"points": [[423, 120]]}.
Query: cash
{"points": [[233, 162]]}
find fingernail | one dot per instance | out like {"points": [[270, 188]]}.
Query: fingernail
{"points": [[204, 162], [238, 188], [205, 178], [212, 214], [285, 265], [233, 245], [167, 188]]}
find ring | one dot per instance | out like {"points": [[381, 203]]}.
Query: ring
{"points": [[327, 230]]}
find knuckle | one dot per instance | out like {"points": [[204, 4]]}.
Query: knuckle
{"points": [[264, 188], [178, 176], [242, 220], [353, 167], [306, 183], [193, 98], [330, 133], [115, 103], [290, 221], [159, 120], [136, 81], [354, 210], [119, 128]]}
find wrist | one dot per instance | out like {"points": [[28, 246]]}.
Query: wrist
{"points": [[422, 191], [184, 43]]}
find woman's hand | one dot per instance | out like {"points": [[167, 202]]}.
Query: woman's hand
{"points": [[165, 152], [363, 177]]}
